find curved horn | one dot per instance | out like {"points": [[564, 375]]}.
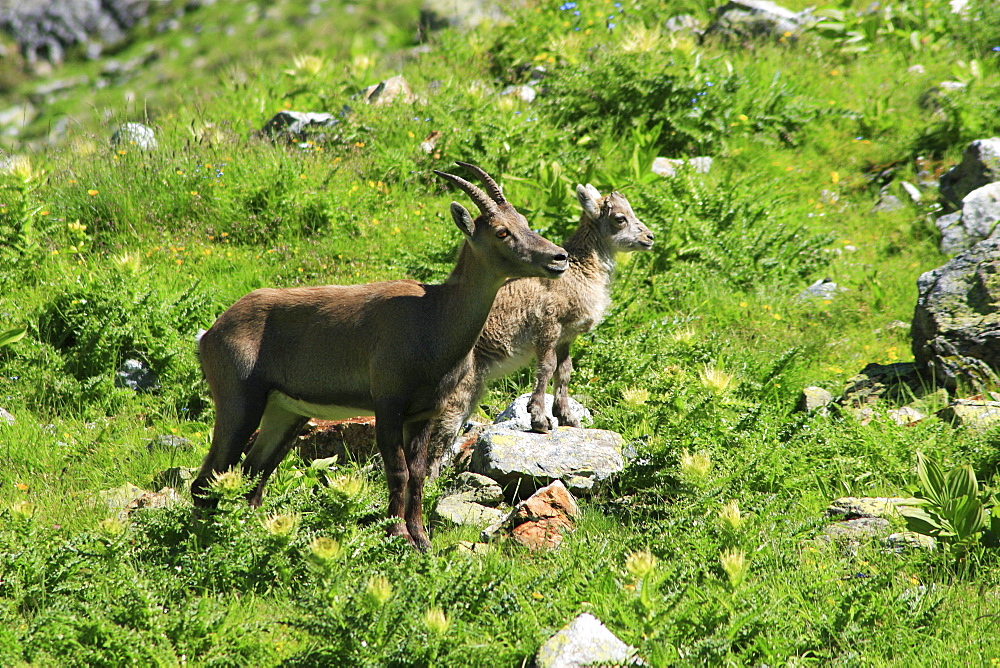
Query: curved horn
{"points": [[485, 204], [491, 186]]}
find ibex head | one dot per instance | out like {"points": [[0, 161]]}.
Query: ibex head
{"points": [[501, 232], [614, 219]]}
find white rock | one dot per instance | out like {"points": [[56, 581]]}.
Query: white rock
{"points": [[585, 642]]}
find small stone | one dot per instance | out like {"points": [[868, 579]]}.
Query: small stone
{"points": [[856, 529], [524, 93], [916, 69], [668, 167], [517, 417], [952, 86], [118, 498], [904, 540], [165, 498], [136, 376], [300, 126], [906, 415], [824, 288], [912, 191], [388, 91], [540, 521], [853, 507], [476, 488], [813, 399], [887, 203], [135, 134], [169, 443], [178, 477], [6, 417], [585, 642], [451, 510]]}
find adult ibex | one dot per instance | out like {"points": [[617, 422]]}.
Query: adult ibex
{"points": [[540, 319], [393, 349]]}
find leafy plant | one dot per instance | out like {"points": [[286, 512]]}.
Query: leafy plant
{"points": [[951, 507]]}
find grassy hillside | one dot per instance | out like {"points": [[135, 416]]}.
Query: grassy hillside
{"points": [[114, 253]]}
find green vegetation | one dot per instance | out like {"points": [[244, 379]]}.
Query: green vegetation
{"points": [[704, 552]]}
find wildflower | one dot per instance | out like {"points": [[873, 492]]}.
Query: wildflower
{"points": [[735, 565], [716, 380], [379, 589], [635, 396], [323, 549], [730, 517], [93, 193], [349, 486], [567, 5], [23, 509], [436, 621], [76, 228], [111, 527], [640, 564], [695, 467], [227, 483], [282, 525]]}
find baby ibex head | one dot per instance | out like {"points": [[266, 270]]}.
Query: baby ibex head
{"points": [[614, 219], [502, 234]]}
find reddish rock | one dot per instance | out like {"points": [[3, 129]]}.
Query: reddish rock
{"points": [[540, 521], [349, 440]]}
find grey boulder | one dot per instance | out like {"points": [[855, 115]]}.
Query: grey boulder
{"points": [[956, 323], [522, 462]]}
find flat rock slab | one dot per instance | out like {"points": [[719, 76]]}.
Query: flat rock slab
{"points": [[476, 488], [857, 529], [455, 511], [975, 413], [516, 416], [521, 462], [585, 642]]}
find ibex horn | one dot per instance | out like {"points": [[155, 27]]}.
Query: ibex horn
{"points": [[491, 186], [485, 204]]}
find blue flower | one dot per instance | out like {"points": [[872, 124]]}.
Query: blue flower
{"points": [[576, 12], [611, 26], [567, 5], [996, 48]]}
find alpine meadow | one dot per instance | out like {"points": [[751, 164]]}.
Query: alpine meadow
{"points": [[807, 460]]}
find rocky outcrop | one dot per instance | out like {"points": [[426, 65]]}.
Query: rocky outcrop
{"points": [[980, 166], [956, 323], [45, 29]]}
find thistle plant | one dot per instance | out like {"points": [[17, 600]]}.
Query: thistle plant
{"points": [[735, 565]]}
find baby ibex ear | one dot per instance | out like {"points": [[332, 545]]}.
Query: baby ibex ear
{"points": [[590, 200], [463, 219]]}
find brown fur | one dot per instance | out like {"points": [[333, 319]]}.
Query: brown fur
{"points": [[540, 319], [394, 349]]}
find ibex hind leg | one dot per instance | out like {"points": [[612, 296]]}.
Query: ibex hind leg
{"points": [[235, 422], [278, 429]]}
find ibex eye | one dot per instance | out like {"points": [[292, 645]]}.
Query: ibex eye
{"points": [[502, 234]]}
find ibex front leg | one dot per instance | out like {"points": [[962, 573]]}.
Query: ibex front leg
{"points": [[389, 437], [540, 420], [560, 406]]}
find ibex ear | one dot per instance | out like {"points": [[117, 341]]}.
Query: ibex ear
{"points": [[463, 219], [590, 200]]}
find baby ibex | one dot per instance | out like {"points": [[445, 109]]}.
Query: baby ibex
{"points": [[394, 349], [540, 319]]}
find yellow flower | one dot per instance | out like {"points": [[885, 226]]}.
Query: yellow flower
{"points": [[93, 193], [730, 516], [282, 525], [324, 549], [640, 564], [379, 589], [695, 467], [735, 565], [716, 380], [436, 621]]}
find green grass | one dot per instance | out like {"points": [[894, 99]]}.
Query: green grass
{"points": [[110, 254]]}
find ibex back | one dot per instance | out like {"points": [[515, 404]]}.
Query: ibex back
{"points": [[393, 349]]}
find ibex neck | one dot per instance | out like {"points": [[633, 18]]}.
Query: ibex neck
{"points": [[591, 251], [468, 296]]}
